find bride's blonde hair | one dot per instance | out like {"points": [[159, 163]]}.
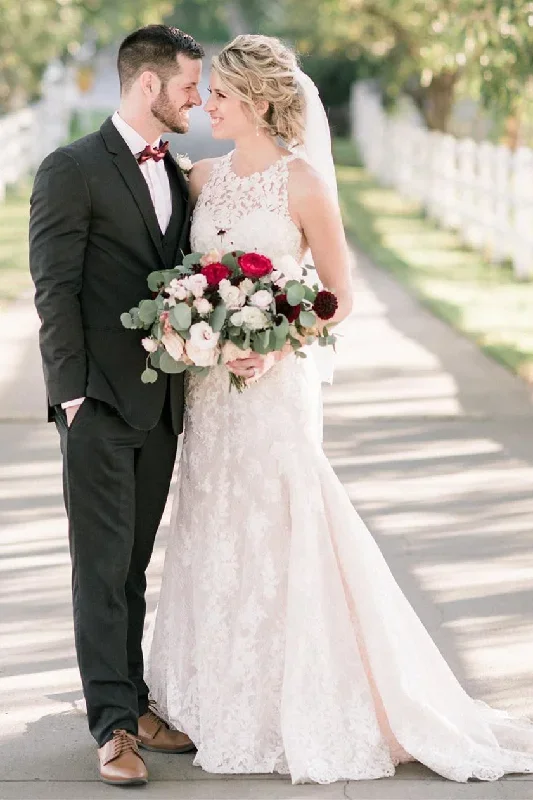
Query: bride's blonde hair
{"points": [[256, 67]]}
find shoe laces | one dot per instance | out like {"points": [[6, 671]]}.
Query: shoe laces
{"points": [[124, 742]]}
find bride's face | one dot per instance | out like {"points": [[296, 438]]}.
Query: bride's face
{"points": [[230, 119]]}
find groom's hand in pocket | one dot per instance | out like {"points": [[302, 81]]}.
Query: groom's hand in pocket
{"points": [[71, 412]]}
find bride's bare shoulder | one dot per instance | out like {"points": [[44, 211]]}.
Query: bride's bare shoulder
{"points": [[199, 175], [304, 180]]}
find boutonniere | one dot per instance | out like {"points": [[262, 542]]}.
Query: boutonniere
{"points": [[184, 163]]}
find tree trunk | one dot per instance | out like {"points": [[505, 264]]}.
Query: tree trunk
{"points": [[438, 101]]}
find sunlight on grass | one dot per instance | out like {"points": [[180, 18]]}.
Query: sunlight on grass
{"points": [[14, 272], [482, 300]]}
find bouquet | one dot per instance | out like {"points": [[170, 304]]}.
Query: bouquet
{"points": [[216, 307]]}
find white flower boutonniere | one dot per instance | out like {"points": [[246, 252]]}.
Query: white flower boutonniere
{"points": [[184, 163]]}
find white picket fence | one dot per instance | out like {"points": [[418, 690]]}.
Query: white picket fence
{"points": [[28, 135], [482, 190]]}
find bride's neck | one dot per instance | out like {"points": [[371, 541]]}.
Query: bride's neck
{"points": [[255, 152]]}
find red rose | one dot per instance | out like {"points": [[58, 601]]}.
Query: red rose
{"points": [[285, 308], [214, 273], [254, 265], [325, 305]]}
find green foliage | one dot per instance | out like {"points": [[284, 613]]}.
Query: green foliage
{"points": [[180, 316], [34, 32], [149, 375], [429, 47]]}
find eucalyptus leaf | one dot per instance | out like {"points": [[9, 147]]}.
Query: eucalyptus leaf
{"points": [[218, 317], [126, 320], [147, 311], [230, 261], [155, 358], [168, 365], [281, 330], [135, 318], [180, 316], [155, 279], [300, 354], [295, 294], [191, 260], [307, 319], [149, 375]]}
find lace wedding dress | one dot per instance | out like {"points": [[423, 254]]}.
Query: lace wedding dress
{"points": [[282, 642]]}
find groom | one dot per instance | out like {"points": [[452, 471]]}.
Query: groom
{"points": [[105, 212]]}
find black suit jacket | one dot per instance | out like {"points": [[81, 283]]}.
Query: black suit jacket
{"points": [[94, 238]]}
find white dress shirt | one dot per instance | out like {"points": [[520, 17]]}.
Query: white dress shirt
{"points": [[155, 175]]}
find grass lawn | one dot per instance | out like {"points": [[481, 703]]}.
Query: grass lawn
{"points": [[14, 270], [482, 300]]}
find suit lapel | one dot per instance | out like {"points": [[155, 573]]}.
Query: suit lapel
{"points": [[134, 180], [184, 188]]}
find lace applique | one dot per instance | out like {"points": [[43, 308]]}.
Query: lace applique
{"points": [[246, 213]]}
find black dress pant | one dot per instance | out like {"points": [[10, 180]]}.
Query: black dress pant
{"points": [[116, 482]]}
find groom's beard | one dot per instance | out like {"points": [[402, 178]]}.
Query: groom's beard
{"points": [[172, 118]]}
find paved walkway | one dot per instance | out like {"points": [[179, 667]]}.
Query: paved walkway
{"points": [[433, 443]]}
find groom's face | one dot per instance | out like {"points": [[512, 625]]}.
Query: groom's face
{"points": [[178, 95]]}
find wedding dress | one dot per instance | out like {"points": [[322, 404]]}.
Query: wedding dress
{"points": [[281, 641]]}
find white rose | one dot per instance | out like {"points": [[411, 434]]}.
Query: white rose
{"points": [[230, 352], [246, 286], [203, 306], [289, 267], [200, 356], [231, 295], [236, 319], [184, 163], [261, 299], [149, 345], [177, 290], [195, 284], [253, 318], [173, 344], [203, 336]]}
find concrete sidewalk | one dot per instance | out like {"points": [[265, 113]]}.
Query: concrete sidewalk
{"points": [[434, 445]]}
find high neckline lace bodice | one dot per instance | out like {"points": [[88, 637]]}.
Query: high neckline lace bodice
{"points": [[248, 212]]}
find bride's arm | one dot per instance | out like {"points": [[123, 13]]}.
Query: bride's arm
{"points": [[318, 216]]}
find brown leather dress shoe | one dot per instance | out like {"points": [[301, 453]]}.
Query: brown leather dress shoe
{"points": [[154, 734], [120, 761]]}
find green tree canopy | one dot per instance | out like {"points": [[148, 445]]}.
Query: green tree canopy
{"points": [[427, 47], [33, 32]]}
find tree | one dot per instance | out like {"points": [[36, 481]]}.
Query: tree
{"points": [[429, 48], [33, 32]]}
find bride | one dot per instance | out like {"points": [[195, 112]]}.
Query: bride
{"points": [[281, 642]]}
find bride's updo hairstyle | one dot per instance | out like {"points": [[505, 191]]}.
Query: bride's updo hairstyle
{"points": [[255, 68]]}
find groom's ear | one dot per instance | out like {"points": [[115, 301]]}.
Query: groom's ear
{"points": [[150, 83]]}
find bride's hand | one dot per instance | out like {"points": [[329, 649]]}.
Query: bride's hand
{"points": [[248, 367]]}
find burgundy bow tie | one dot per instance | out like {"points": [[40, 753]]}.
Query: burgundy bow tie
{"points": [[157, 153]]}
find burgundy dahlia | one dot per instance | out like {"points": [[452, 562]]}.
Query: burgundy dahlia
{"points": [[325, 305], [284, 307]]}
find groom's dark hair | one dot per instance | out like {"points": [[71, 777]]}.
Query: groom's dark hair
{"points": [[155, 48]]}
